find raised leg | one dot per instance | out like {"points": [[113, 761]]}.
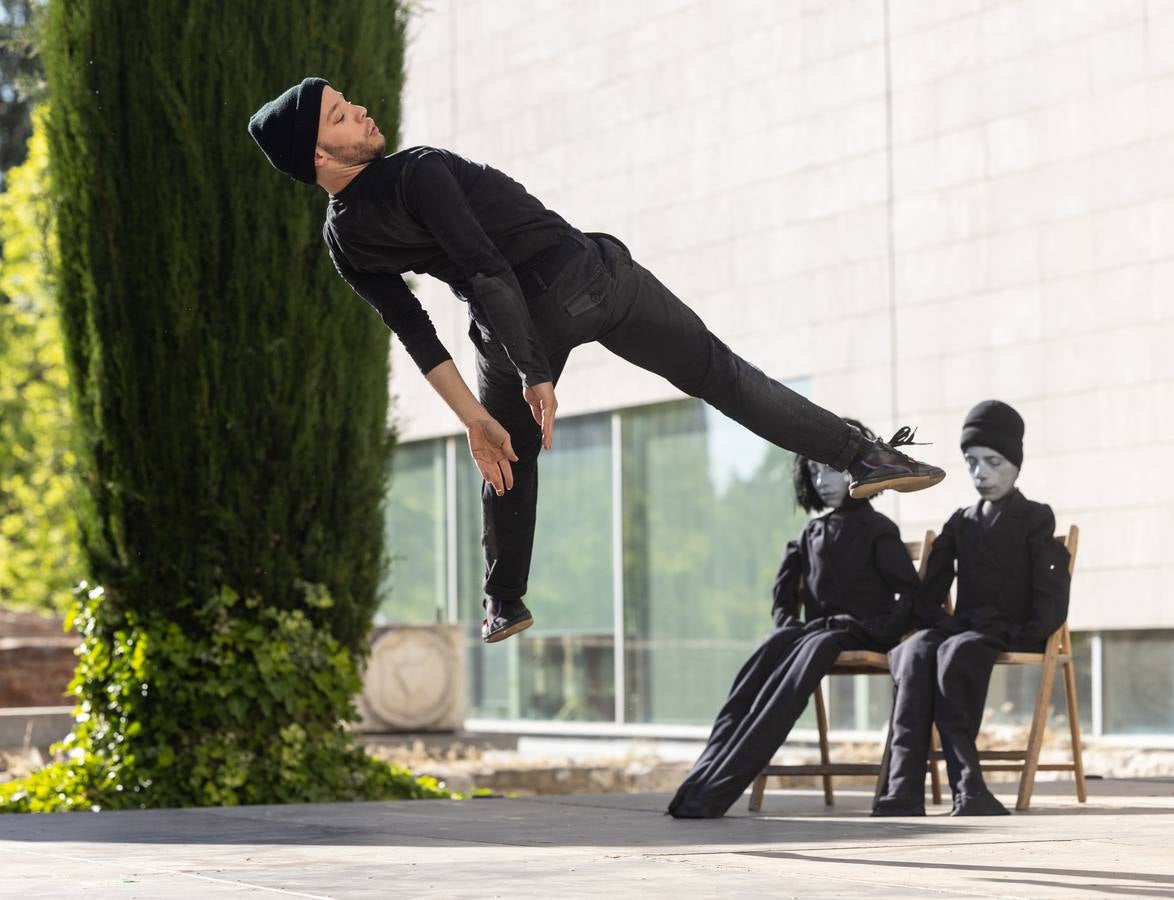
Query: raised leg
{"points": [[650, 327]]}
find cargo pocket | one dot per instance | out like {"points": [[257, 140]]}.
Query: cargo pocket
{"points": [[590, 295]]}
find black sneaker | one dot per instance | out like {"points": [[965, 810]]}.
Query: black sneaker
{"points": [[881, 467], [897, 807], [503, 619], [982, 804]]}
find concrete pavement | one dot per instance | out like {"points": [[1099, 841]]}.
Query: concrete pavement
{"points": [[1119, 844]]}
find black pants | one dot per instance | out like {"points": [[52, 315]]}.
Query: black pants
{"points": [[941, 678], [603, 295], [768, 696]]}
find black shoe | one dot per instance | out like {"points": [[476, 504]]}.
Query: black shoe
{"points": [[984, 804], [897, 807], [504, 618], [881, 467]]}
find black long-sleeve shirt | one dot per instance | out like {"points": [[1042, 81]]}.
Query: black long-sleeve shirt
{"points": [[433, 212], [852, 563], [1013, 579]]}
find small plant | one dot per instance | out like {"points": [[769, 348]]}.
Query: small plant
{"points": [[248, 707]]}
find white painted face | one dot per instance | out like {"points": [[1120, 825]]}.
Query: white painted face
{"points": [[992, 473], [832, 486]]}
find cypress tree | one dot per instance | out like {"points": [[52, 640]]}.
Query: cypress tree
{"points": [[232, 391], [231, 397]]}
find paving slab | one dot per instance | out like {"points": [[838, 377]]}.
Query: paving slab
{"points": [[1119, 844]]}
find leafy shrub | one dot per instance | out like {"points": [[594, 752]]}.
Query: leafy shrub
{"points": [[40, 550], [168, 717]]}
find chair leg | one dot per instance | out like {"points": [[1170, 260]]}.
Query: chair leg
{"points": [[1035, 739], [821, 717], [756, 793], [882, 777], [935, 775], [1074, 729]]}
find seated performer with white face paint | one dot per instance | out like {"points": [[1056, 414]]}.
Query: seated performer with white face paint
{"points": [[853, 565], [1012, 594]]}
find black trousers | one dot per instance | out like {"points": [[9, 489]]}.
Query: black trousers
{"points": [[941, 677], [603, 295], [768, 696]]}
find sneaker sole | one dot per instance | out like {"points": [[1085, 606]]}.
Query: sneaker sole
{"points": [[906, 484], [509, 631]]}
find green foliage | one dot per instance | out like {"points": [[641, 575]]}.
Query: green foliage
{"points": [[40, 557], [244, 709], [21, 78], [230, 401], [231, 390]]}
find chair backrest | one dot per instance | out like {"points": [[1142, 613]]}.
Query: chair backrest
{"points": [[1070, 541], [919, 552]]}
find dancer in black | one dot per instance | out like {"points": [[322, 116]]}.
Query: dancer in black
{"points": [[1012, 594], [858, 590], [536, 288]]}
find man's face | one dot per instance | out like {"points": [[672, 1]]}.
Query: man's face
{"points": [[832, 486], [346, 134], [992, 473]]}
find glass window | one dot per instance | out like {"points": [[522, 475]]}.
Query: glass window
{"points": [[1013, 690], [413, 588], [1138, 687], [708, 509], [859, 702], [563, 667]]}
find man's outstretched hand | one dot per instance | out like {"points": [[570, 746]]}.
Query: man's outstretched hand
{"points": [[489, 445], [542, 407]]}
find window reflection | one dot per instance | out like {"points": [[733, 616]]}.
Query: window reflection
{"points": [[1013, 690], [562, 668], [708, 509], [412, 589], [1139, 682]]}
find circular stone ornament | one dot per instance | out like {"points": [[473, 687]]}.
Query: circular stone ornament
{"points": [[409, 682]]}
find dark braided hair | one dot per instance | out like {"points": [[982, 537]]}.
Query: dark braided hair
{"points": [[805, 493]]}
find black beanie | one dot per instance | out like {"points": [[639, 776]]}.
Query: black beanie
{"points": [[286, 129], [994, 424]]}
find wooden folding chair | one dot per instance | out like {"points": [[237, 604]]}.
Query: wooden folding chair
{"points": [[1057, 653], [849, 662]]}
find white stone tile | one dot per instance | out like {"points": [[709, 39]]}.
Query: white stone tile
{"points": [[917, 15], [843, 80], [1159, 41], [1015, 142], [1003, 33], [1118, 56], [918, 57], [840, 29], [1059, 22], [950, 270], [1013, 259]]}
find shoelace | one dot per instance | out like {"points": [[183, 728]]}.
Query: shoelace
{"points": [[904, 438]]}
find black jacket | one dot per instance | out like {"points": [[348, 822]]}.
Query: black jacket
{"points": [[852, 563], [430, 211], [1013, 577]]}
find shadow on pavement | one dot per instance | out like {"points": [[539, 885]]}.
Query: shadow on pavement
{"points": [[625, 822], [1085, 876]]}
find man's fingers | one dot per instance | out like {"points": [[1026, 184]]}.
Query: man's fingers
{"points": [[536, 412], [492, 474], [547, 424], [508, 448]]}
